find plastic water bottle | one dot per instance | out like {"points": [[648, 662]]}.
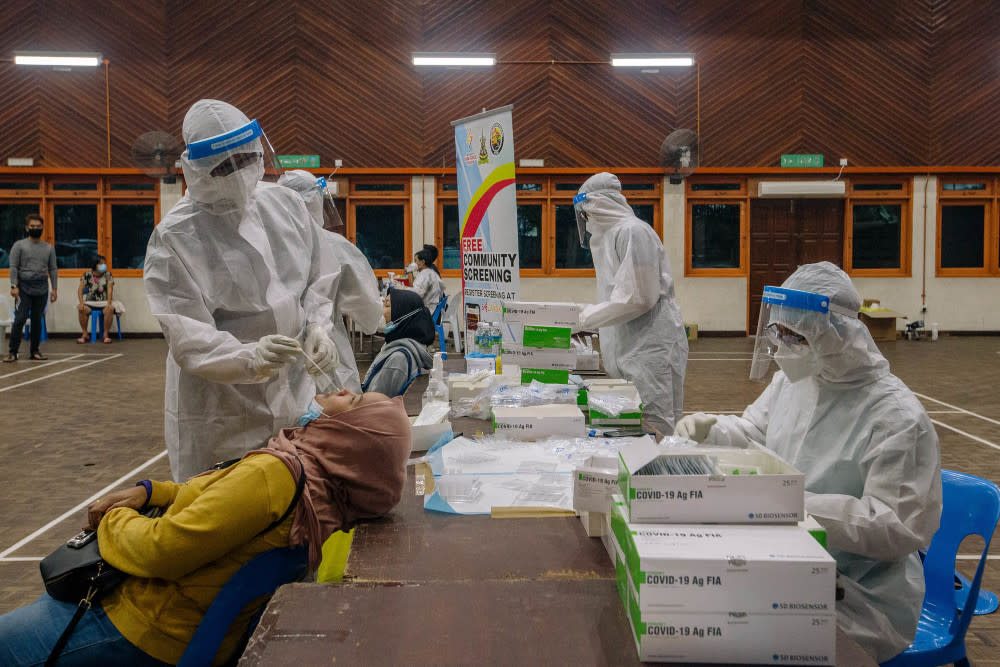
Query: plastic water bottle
{"points": [[934, 330], [437, 388]]}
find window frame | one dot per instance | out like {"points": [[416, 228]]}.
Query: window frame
{"points": [[352, 226], [989, 232], [905, 268], [116, 201], [734, 197]]}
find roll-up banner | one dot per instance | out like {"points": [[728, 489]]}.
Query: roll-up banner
{"points": [[487, 206]]}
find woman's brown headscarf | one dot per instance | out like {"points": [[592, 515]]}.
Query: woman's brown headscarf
{"points": [[355, 467]]}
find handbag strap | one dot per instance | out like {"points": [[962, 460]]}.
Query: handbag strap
{"points": [[300, 485]]}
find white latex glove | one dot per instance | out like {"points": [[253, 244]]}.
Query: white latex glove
{"points": [[382, 324], [695, 427], [321, 350], [273, 352]]}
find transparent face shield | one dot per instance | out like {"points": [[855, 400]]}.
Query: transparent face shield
{"points": [[581, 219], [332, 220], [222, 171], [779, 304]]}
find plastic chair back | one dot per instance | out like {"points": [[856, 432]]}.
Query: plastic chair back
{"points": [[261, 576], [438, 326], [971, 506]]}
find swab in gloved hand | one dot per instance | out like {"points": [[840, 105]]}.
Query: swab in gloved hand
{"points": [[330, 385]]}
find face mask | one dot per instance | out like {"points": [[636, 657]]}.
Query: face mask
{"points": [[101, 268], [314, 411], [797, 361], [230, 193], [35, 233]]}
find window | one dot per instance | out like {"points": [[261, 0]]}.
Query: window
{"points": [[968, 229], [74, 227], [878, 227], [131, 226], [876, 233], [379, 231], [548, 240], [12, 223], [716, 230]]}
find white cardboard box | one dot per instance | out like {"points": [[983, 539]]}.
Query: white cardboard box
{"points": [[594, 483], [772, 493], [539, 421], [424, 437], [588, 361], [691, 568], [539, 357], [542, 313], [628, 418]]}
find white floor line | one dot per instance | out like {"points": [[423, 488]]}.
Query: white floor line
{"points": [[967, 435], [67, 370], [943, 412], [988, 557], [20, 559], [110, 487], [955, 407], [745, 354], [37, 366], [743, 360], [715, 412]]}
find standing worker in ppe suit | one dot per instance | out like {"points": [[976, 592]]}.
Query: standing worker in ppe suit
{"points": [[867, 448], [642, 332], [236, 277], [354, 288]]}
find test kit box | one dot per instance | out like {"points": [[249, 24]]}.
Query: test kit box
{"points": [[594, 483], [539, 357], [546, 375], [536, 335], [588, 361], [542, 313], [630, 418], [746, 486], [692, 568], [539, 421]]}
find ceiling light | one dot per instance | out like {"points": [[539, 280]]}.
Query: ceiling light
{"points": [[58, 59], [455, 59], [652, 59]]}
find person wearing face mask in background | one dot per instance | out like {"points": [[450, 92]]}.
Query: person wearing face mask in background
{"points": [[95, 293], [353, 284], [32, 268], [408, 333], [237, 277], [867, 447], [642, 331], [427, 279]]}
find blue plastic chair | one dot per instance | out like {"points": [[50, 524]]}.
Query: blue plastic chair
{"points": [[971, 506], [261, 576], [97, 324], [438, 325]]}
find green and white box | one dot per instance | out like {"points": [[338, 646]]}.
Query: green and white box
{"points": [[630, 418], [542, 313], [536, 335], [753, 486], [594, 483], [691, 568], [539, 357], [539, 421], [734, 637]]}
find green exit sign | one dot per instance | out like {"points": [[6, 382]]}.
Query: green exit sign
{"points": [[298, 161], [801, 160]]}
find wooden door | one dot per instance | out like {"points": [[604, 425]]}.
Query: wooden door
{"points": [[785, 233]]}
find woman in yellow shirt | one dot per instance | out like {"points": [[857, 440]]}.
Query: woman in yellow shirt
{"points": [[352, 451]]}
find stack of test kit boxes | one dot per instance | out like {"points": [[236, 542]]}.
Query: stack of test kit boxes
{"points": [[615, 387], [536, 337], [711, 563]]}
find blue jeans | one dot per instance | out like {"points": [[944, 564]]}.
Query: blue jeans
{"points": [[28, 634]]}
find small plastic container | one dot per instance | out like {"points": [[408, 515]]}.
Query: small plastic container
{"points": [[934, 330]]}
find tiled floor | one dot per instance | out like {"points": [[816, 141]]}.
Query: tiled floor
{"points": [[91, 418]]}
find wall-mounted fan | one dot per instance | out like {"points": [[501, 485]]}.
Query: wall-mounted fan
{"points": [[679, 154], [156, 154]]}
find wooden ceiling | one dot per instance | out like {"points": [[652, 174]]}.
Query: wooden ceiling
{"points": [[897, 82]]}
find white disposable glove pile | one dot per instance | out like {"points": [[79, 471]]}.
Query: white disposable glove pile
{"points": [[695, 427], [273, 352]]}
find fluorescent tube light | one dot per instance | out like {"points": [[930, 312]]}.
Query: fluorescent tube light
{"points": [[652, 59], [58, 59], [455, 59]]}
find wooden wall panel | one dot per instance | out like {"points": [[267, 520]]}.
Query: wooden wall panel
{"points": [[899, 82]]}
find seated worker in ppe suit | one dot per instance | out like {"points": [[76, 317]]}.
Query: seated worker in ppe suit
{"points": [[642, 331], [236, 275], [353, 285], [868, 450]]}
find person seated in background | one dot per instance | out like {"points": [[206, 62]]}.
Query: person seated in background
{"points": [[352, 451], [408, 333], [95, 293], [867, 447], [426, 277]]}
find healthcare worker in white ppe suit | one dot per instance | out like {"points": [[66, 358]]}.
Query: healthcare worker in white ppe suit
{"points": [[641, 328], [236, 277], [867, 448], [354, 288]]}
